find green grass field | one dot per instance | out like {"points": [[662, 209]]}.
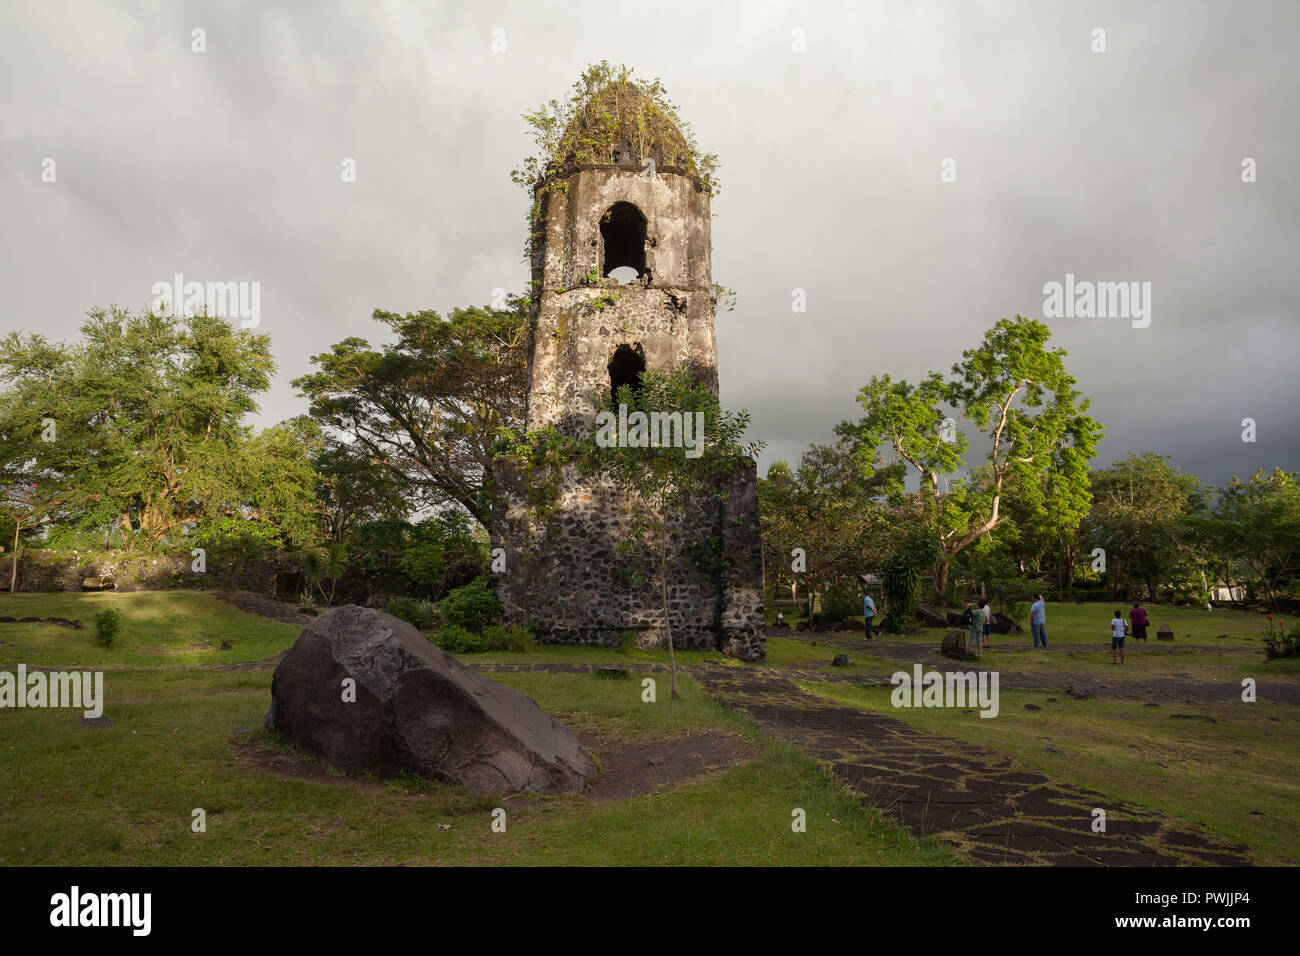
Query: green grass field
{"points": [[182, 723], [124, 794], [163, 628]]}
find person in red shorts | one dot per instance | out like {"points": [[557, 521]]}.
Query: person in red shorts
{"points": [[1139, 618]]}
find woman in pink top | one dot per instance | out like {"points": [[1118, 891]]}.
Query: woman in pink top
{"points": [[1139, 618]]}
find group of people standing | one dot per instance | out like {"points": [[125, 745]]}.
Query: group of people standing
{"points": [[979, 619]]}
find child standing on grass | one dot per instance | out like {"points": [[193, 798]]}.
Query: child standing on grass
{"points": [[1118, 628]]}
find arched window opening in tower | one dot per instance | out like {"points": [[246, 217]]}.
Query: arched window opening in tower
{"points": [[622, 231], [625, 368]]}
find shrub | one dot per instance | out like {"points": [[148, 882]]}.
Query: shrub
{"points": [[441, 554], [900, 580], [108, 625], [421, 614], [841, 601], [513, 638], [458, 640], [1282, 644], [472, 607], [1014, 595]]}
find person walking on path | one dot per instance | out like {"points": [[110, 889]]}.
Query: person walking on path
{"points": [[869, 615], [1118, 628], [988, 618], [1038, 620], [1139, 617]]}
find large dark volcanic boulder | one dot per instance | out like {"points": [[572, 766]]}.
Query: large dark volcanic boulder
{"points": [[417, 709]]}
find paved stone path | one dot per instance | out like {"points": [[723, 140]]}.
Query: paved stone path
{"points": [[971, 797]]}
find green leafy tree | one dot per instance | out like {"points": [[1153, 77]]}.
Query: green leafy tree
{"points": [[1138, 514], [1016, 393], [28, 503], [354, 490], [900, 578], [442, 552], [1257, 522], [143, 418], [427, 407], [831, 508]]}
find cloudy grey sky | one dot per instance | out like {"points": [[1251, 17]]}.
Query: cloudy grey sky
{"points": [[1117, 165]]}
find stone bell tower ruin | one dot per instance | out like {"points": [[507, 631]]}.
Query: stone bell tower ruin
{"points": [[622, 283]]}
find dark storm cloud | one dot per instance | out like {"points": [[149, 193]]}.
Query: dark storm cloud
{"points": [[1123, 165]]}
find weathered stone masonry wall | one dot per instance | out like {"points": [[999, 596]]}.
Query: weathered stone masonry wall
{"points": [[566, 577]]}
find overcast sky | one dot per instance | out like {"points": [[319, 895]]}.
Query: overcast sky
{"points": [[1122, 165]]}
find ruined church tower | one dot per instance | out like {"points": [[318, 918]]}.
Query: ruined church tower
{"points": [[622, 283]]}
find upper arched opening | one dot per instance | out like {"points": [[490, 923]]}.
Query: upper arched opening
{"points": [[623, 238]]}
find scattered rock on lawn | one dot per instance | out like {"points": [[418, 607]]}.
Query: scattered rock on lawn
{"points": [[929, 617], [1001, 624], [1032, 707], [366, 691], [841, 660], [954, 646]]}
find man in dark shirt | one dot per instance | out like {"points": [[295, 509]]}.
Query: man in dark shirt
{"points": [[1139, 618]]}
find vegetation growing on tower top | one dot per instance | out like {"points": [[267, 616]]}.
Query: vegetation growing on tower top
{"points": [[612, 117], [608, 117]]}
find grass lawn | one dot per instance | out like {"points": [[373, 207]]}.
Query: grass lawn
{"points": [[1239, 776], [123, 794], [160, 628], [1090, 624], [1143, 662]]}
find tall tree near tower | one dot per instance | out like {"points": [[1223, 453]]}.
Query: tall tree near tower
{"points": [[1015, 392]]}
